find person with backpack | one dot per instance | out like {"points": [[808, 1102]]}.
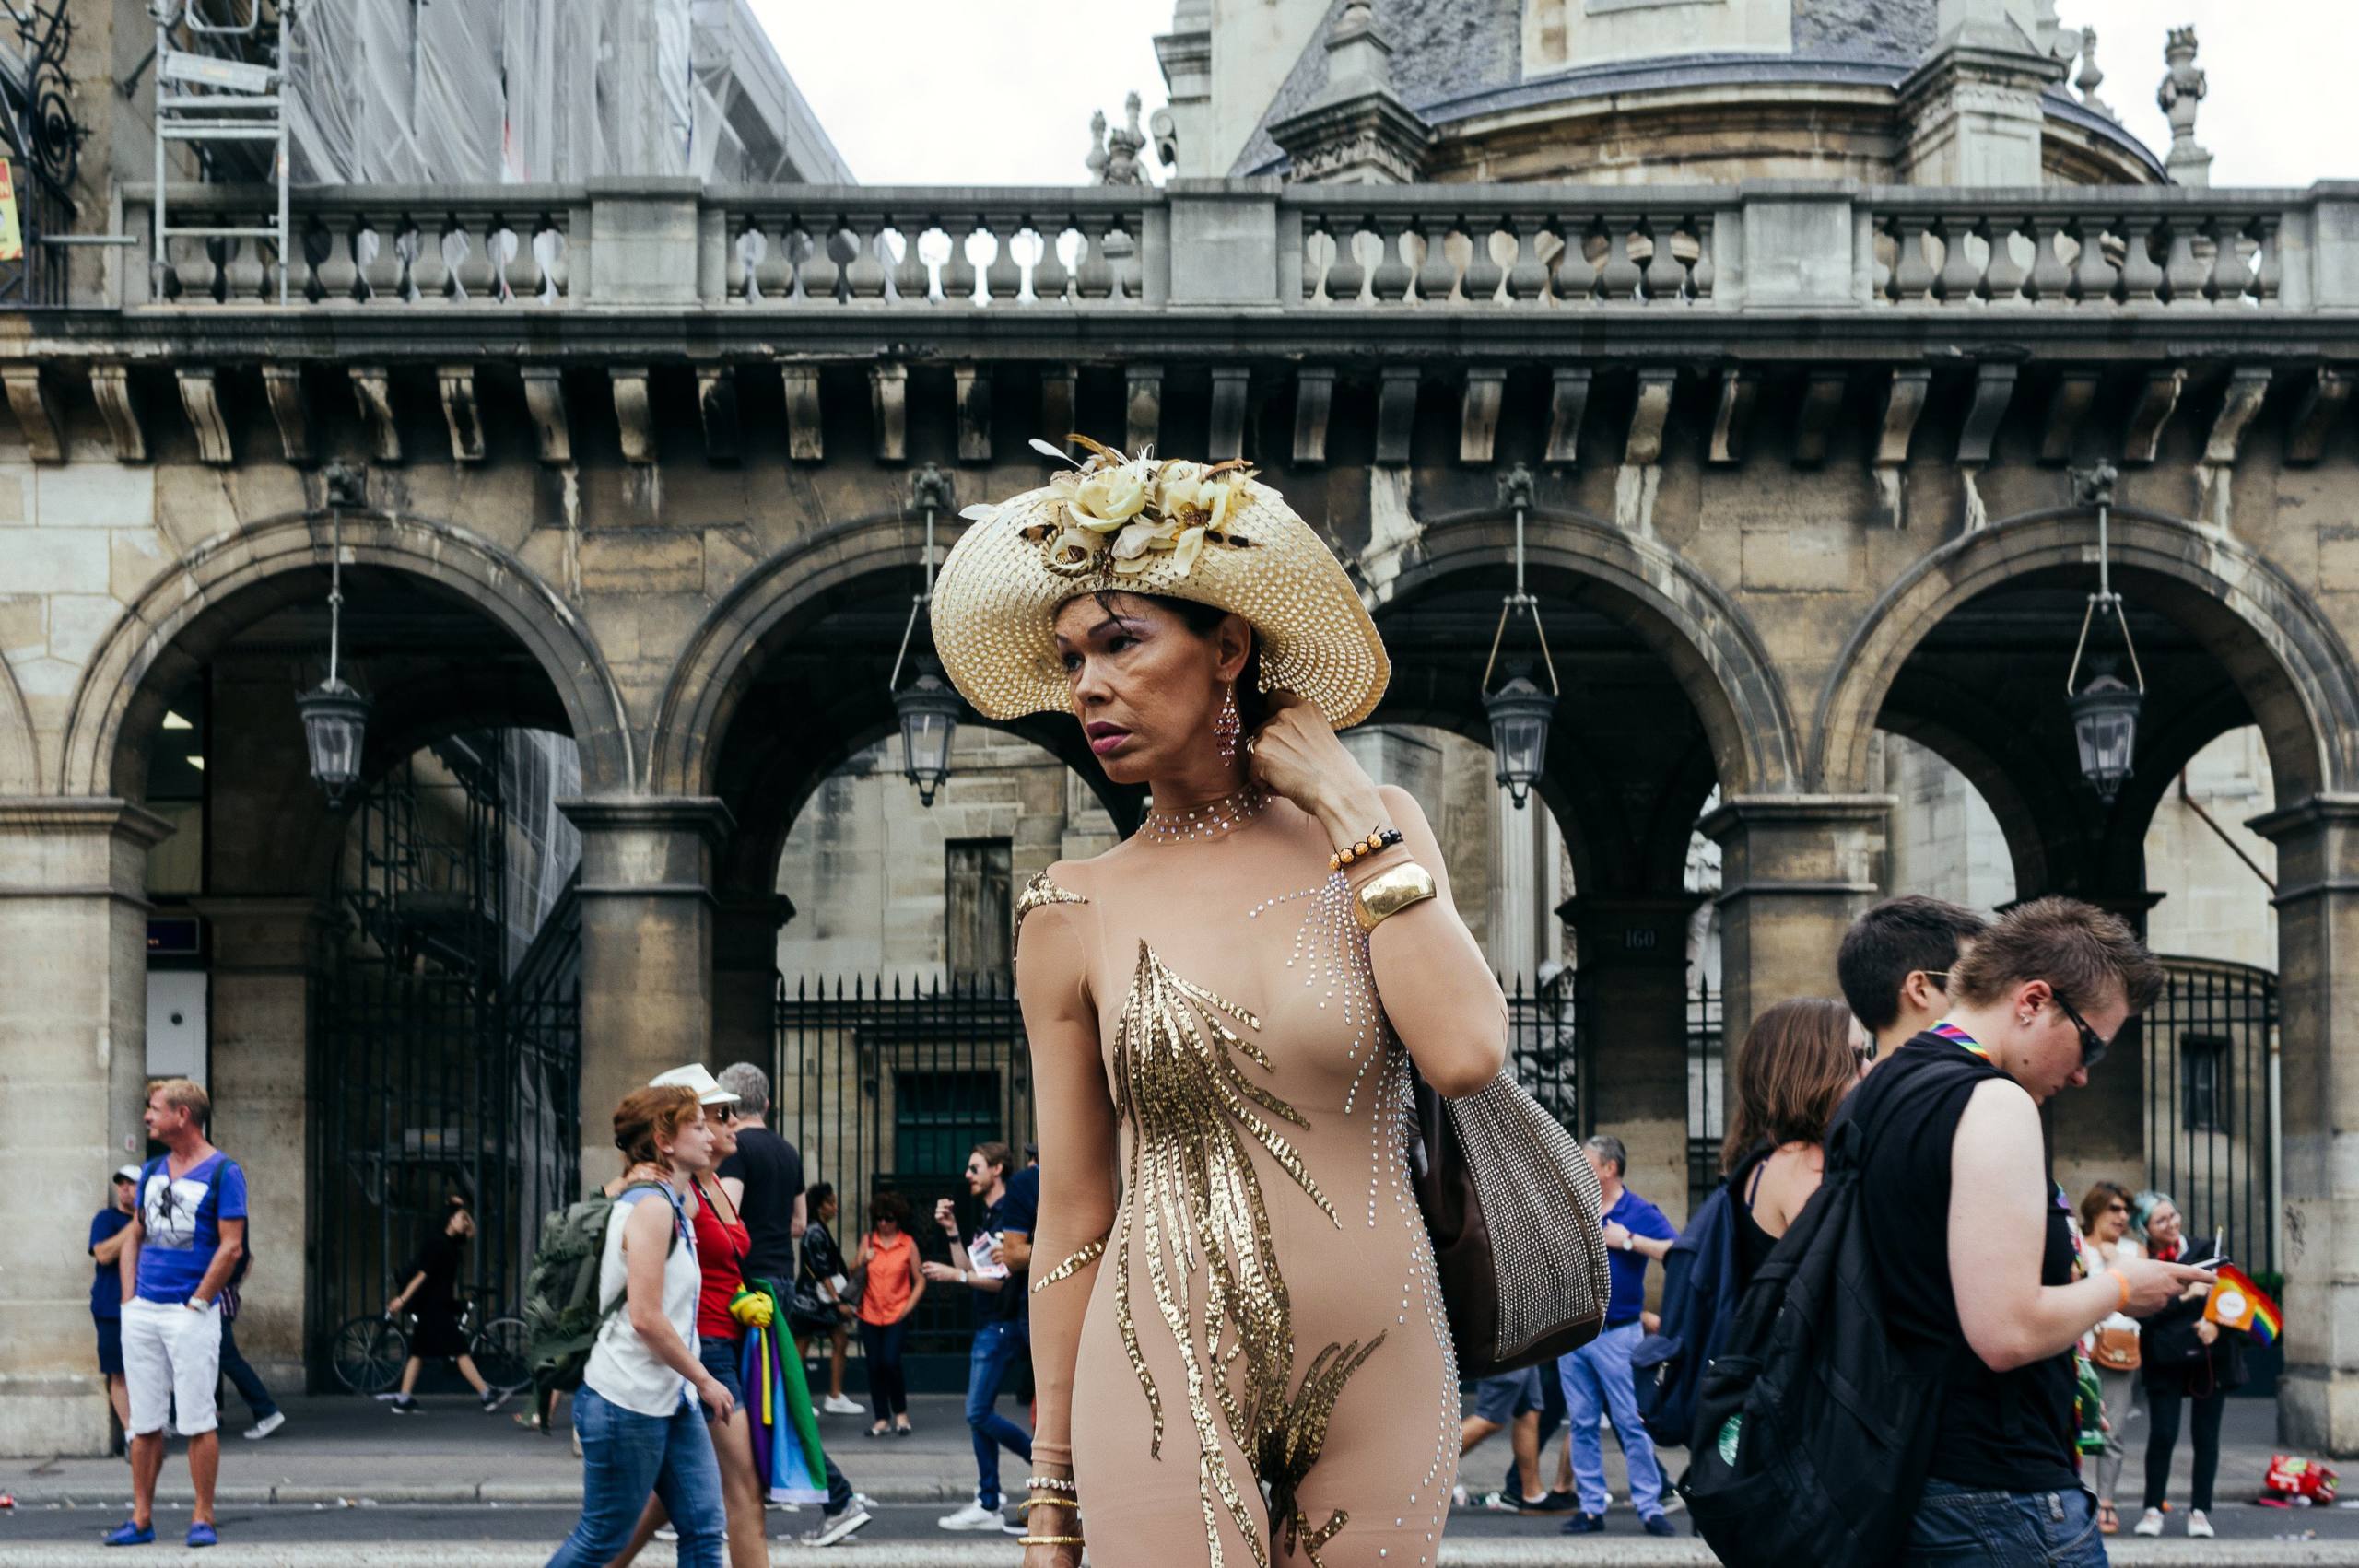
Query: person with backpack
{"points": [[1900, 1381], [636, 1409], [1798, 1061], [1598, 1378], [827, 1278]]}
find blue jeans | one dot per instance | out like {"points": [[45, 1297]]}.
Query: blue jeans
{"points": [[249, 1382], [2033, 1529], [996, 1344], [1597, 1378], [625, 1456]]}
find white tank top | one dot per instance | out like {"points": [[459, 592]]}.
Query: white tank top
{"points": [[622, 1369]]}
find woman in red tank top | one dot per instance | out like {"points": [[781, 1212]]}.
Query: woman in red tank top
{"points": [[720, 1252]]}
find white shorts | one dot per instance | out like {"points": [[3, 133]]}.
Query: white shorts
{"points": [[170, 1357]]}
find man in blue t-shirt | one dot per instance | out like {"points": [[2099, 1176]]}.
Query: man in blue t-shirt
{"points": [[107, 1228], [187, 1233], [1597, 1376], [984, 1266]]}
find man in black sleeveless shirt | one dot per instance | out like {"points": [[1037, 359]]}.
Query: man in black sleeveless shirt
{"points": [[1974, 1240]]}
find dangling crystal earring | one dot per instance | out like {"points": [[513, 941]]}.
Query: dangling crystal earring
{"points": [[1228, 724]]}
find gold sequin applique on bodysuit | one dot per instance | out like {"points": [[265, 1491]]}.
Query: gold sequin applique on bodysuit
{"points": [[1194, 1198]]}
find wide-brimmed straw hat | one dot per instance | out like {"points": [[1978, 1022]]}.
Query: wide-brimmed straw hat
{"points": [[1167, 526]]}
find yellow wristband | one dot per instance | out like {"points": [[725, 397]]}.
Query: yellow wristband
{"points": [[1385, 894], [2123, 1281]]}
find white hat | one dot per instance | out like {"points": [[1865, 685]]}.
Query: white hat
{"points": [[697, 1076], [128, 1173]]}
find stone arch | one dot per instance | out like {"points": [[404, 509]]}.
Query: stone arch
{"points": [[146, 646], [723, 657], [2291, 663], [19, 753], [1686, 618]]}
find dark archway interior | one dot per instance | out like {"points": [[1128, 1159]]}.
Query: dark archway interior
{"points": [[815, 694], [1629, 765], [1986, 690]]}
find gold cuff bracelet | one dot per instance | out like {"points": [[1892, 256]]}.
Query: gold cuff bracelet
{"points": [[1387, 894]]}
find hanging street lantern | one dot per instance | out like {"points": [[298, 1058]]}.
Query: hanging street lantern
{"points": [[1520, 711], [335, 717], [2104, 712], [929, 709]]}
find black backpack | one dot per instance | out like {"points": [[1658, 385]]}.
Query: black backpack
{"points": [[1812, 1429], [1699, 1308]]}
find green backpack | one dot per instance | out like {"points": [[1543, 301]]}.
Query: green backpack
{"points": [[562, 1313]]}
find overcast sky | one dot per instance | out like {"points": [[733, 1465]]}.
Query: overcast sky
{"points": [[1000, 91]]}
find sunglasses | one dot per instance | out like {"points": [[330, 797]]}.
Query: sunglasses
{"points": [[2093, 1048]]}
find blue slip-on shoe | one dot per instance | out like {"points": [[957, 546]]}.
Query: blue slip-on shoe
{"points": [[1658, 1526], [130, 1533], [204, 1535], [1584, 1524]]}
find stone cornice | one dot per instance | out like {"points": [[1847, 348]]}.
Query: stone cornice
{"points": [[699, 814], [84, 814]]}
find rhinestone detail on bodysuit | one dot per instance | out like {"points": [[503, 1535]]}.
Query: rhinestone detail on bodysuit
{"points": [[1194, 1197]]}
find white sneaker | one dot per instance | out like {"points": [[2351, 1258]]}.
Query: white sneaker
{"points": [[1457, 1497], [974, 1517], [2149, 1523], [829, 1532], [265, 1426], [837, 1405], [2198, 1526], [665, 1532]]}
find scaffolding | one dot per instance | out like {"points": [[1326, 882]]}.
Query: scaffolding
{"points": [[212, 92]]}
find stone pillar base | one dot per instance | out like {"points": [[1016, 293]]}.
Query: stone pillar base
{"points": [[46, 1415]]}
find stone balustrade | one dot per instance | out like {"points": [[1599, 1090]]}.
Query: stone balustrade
{"points": [[1253, 244], [2087, 249]]}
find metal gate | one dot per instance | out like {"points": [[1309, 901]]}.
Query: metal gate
{"points": [[2211, 1115], [1707, 1053], [887, 1085], [435, 1069]]}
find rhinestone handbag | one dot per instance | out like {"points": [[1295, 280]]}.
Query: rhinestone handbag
{"points": [[1515, 1216]]}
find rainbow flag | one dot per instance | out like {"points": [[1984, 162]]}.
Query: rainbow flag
{"points": [[2237, 1302]]}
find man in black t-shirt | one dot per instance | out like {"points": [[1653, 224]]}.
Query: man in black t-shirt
{"points": [[1973, 1241], [771, 1170]]}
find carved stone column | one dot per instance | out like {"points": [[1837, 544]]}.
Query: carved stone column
{"points": [[1795, 872], [266, 950], [73, 1023], [1634, 1010], [2317, 945], [744, 976], [647, 946]]}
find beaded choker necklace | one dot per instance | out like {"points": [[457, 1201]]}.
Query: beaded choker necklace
{"points": [[1214, 819]]}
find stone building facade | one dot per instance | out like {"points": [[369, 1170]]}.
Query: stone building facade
{"points": [[636, 461]]}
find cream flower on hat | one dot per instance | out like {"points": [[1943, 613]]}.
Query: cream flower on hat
{"points": [[1174, 529]]}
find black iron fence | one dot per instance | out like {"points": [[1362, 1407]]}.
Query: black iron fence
{"points": [[2210, 1057], [1707, 1089]]}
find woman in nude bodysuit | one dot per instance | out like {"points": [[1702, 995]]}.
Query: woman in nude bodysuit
{"points": [[1237, 1330]]}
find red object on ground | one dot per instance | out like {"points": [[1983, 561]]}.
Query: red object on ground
{"points": [[2290, 1477]]}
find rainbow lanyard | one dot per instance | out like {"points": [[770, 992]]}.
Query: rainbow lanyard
{"points": [[1957, 1036]]}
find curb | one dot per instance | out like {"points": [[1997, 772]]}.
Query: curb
{"points": [[510, 1493], [1551, 1553]]}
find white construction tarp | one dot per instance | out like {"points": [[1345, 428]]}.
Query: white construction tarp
{"points": [[490, 91]]}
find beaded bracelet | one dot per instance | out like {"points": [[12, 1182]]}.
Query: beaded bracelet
{"points": [[1050, 1483], [1377, 842]]}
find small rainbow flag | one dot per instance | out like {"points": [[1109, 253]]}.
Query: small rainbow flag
{"points": [[2237, 1302]]}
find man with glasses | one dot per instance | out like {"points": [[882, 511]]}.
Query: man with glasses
{"points": [[1974, 1240], [1895, 964], [187, 1233]]}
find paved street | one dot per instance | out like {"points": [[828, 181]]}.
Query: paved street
{"points": [[347, 1482]]}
